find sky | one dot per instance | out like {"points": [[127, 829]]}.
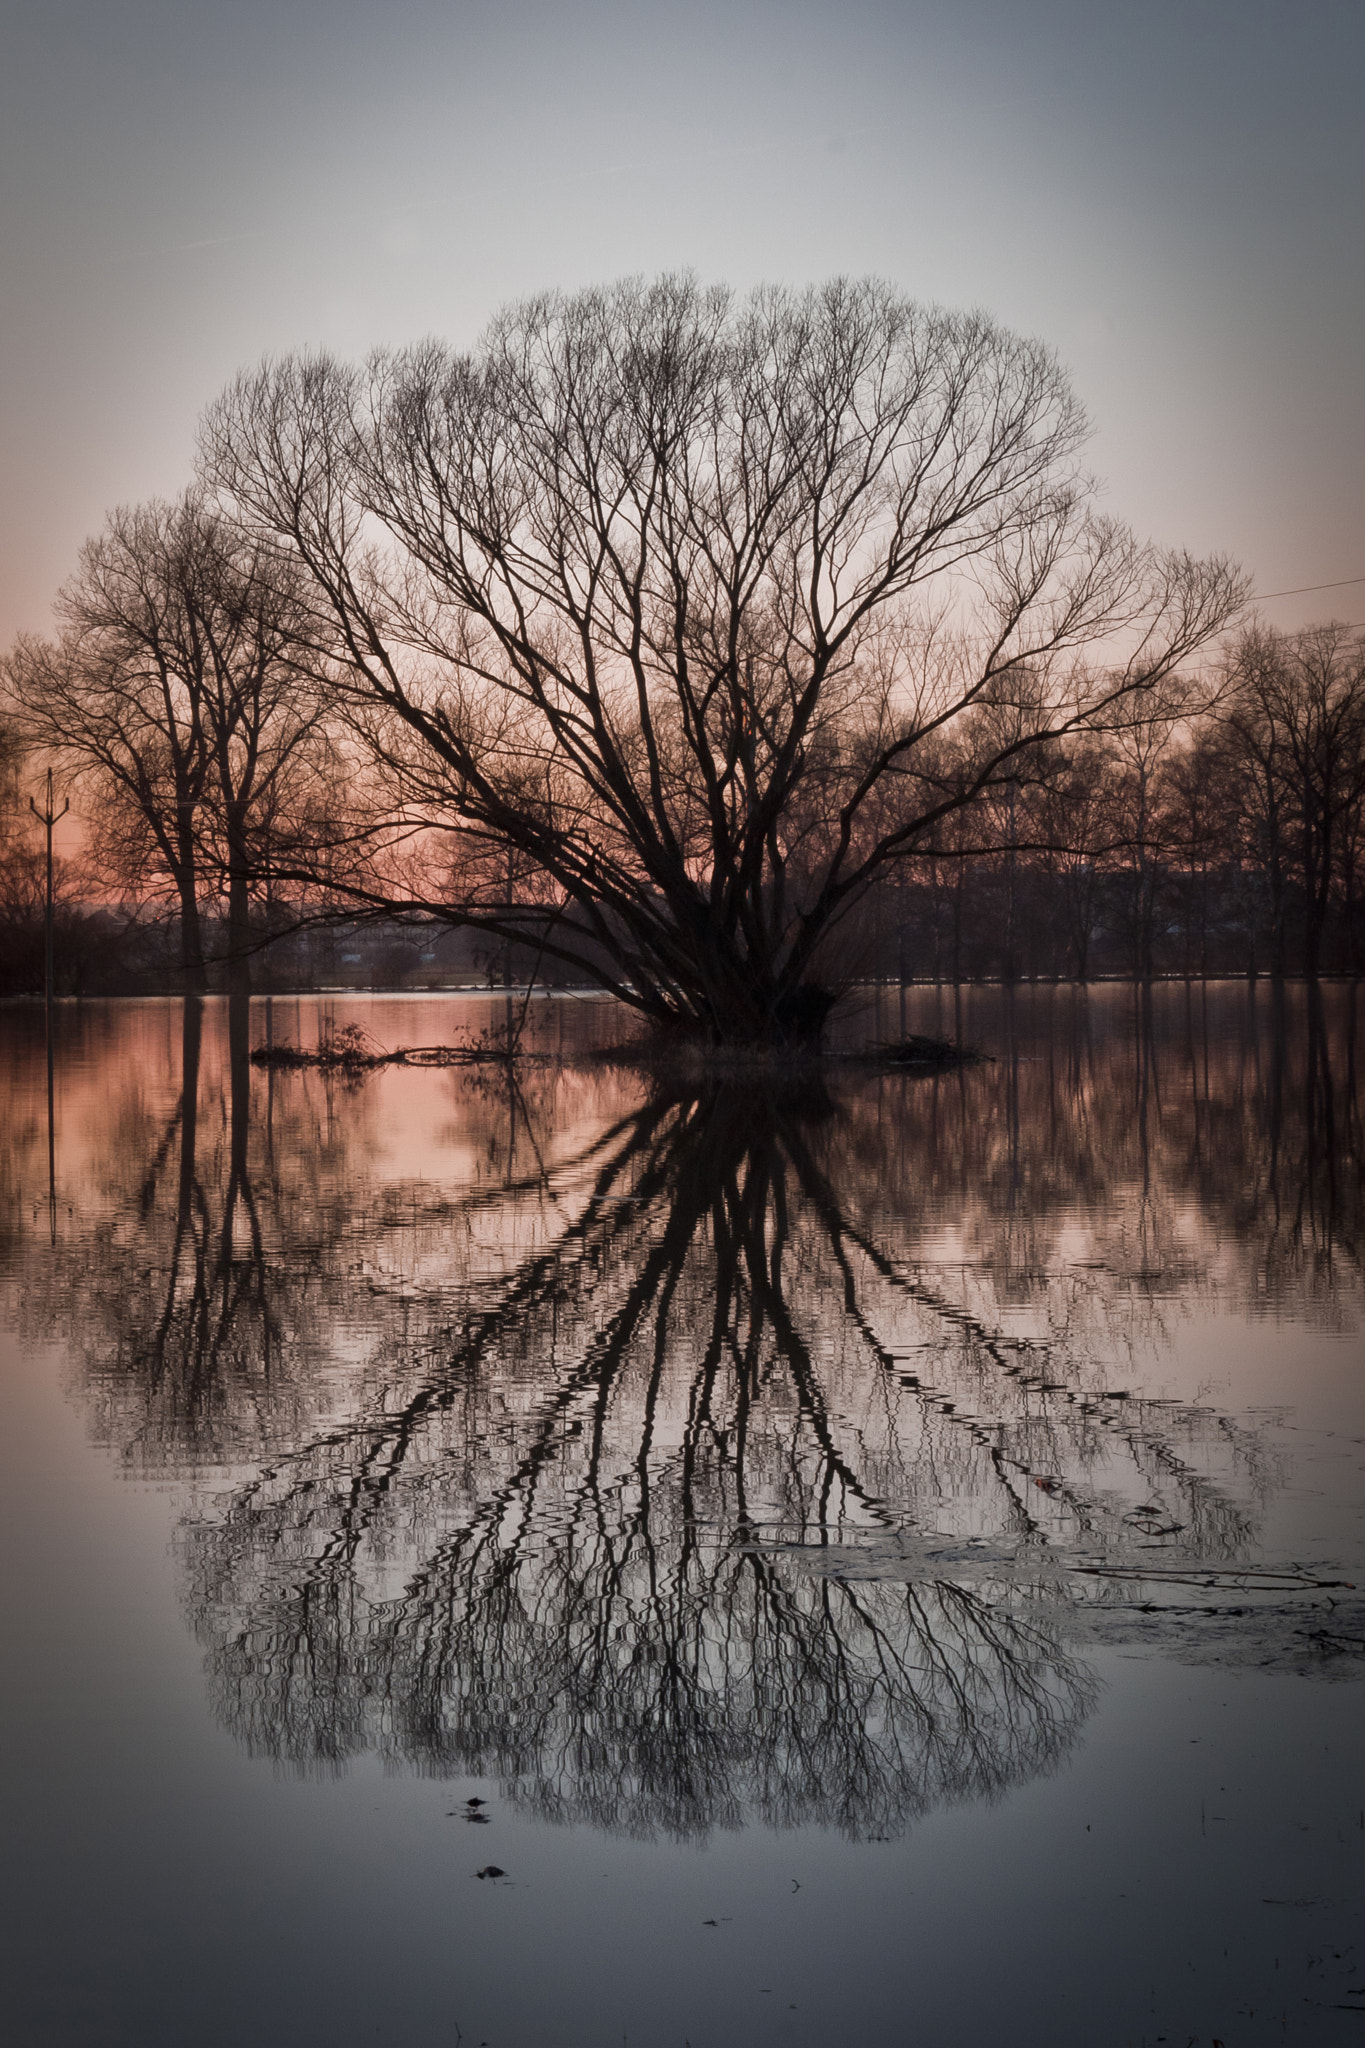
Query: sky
{"points": [[1171, 193]]}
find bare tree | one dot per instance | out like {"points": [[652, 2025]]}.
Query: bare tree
{"points": [[1295, 724], [667, 600], [175, 693]]}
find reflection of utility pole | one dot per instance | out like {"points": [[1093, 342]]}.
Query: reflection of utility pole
{"points": [[507, 975], [48, 817]]}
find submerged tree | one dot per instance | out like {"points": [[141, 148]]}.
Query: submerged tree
{"points": [[672, 620]]}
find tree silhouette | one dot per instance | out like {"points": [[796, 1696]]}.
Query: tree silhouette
{"points": [[693, 616], [176, 694]]}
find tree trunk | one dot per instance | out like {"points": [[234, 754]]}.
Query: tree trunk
{"points": [[191, 939], [239, 921], [239, 1072]]}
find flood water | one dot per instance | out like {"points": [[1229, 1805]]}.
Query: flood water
{"points": [[887, 1553]]}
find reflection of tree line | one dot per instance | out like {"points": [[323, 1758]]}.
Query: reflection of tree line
{"points": [[684, 1477], [188, 1291], [199, 1331], [1130, 1116]]}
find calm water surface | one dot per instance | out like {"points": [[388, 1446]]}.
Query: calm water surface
{"points": [[885, 1554]]}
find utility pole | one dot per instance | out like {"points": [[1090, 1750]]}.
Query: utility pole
{"points": [[48, 817]]}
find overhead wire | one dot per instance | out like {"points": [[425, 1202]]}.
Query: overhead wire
{"points": [[1302, 589]]}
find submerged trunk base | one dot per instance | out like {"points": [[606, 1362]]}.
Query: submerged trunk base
{"points": [[791, 1020]]}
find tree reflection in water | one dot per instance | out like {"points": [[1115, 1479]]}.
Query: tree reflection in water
{"points": [[538, 1553], [724, 1465]]}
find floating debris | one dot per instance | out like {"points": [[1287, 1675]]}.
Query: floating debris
{"points": [[920, 1050], [349, 1050]]}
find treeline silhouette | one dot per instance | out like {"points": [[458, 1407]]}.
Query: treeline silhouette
{"points": [[662, 1464], [1227, 838]]}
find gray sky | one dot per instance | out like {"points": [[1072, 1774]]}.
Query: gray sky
{"points": [[1172, 193]]}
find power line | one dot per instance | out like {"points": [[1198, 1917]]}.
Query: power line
{"points": [[1301, 589]]}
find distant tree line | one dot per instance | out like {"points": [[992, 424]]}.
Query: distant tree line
{"points": [[1221, 836], [1227, 841], [716, 652]]}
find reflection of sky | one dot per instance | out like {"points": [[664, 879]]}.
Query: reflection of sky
{"points": [[1169, 195]]}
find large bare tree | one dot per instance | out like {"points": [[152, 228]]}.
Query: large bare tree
{"points": [[672, 618]]}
